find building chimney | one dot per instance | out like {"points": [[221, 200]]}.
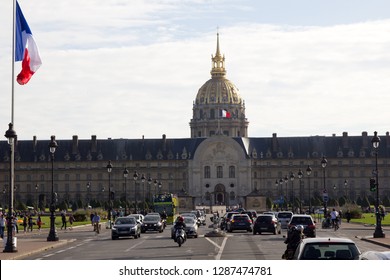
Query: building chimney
{"points": [[75, 144], [93, 144], [345, 140], [365, 139], [274, 143], [34, 143]]}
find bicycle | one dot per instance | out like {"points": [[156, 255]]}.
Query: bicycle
{"points": [[336, 225], [97, 227]]}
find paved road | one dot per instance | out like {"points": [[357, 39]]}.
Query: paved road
{"points": [[83, 243]]}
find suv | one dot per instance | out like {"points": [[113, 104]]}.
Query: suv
{"points": [[266, 223], [309, 227], [284, 217], [239, 222]]}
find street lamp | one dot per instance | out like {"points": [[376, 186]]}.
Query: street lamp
{"points": [[135, 177], [125, 174], [281, 193], [308, 173], [53, 233], [292, 177], [277, 186], [300, 175], [143, 192], [378, 233], [109, 169], [88, 190], [324, 162], [11, 136], [36, 196], [345, 187], [286, 181], [149, 190]]}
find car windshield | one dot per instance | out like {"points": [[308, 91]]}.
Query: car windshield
{"points": [[240, 218], [330, 251], [301, 220], [189, 220], [151, 218], [125, 221], [284, 215]]}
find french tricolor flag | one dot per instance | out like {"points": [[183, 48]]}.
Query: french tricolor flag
{"points": [[25, 48], [225, 114]]}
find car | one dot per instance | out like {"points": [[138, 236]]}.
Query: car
{"points": [[239, 222], [249, 213], [152, 223], [125, 226], [191, 228], [309, 226], [375, 255], [284, 217], [200, 215], [225, 219], [327, 248], [191, 214], [266, 223], [138, 217]]}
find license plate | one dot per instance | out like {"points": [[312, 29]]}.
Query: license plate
{"points": [[264, 228]]}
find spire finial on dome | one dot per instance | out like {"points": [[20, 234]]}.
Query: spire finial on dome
{"points": [[218, 63]]}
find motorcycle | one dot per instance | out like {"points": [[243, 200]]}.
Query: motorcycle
{"points": [[164, 222], [180, 236]]}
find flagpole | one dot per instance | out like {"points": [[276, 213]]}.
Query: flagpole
{"points": [[13, 61], [10, 246]]}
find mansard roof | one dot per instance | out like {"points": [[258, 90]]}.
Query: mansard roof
{"points": [[184, 148]]}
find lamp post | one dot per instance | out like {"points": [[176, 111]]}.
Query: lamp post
{"points": [[285, 182], [324, 162], [143, 192], [149, 189], [10, 134], [378, 233], [52, 233], [300, 175], [345, 187], [135, 177], [281, 193], [88, 190], [308, 173], [36, 196], [277, 191], [292, 177], [125, 174], [109, 169]]}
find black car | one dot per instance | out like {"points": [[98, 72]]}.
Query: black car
{"points": [[267, 223], [239, 222], [125, 226], [152, 223], [225, 219], [309, 227]]}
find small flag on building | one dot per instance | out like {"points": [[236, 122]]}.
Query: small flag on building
{"points": [[26, 49], [225, 114]]}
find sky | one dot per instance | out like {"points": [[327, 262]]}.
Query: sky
{"points": [[132, 69]]}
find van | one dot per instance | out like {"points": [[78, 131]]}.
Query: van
{"points": [[284, 217]]}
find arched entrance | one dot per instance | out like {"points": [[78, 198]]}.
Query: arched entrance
{"points": [[219, 194]]}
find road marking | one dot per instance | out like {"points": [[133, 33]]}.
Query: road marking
{"points": [[218, 257], [135, 245]]}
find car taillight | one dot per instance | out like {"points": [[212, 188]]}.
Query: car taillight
{"points": [[311, 226]]}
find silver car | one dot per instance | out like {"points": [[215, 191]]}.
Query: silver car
{"points": [[125, 226], [284, 217]]}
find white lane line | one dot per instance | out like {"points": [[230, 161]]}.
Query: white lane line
{"points": [[135, 245], [220, 251]]}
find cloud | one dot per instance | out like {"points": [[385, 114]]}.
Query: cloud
{"points": [[136, 72]]}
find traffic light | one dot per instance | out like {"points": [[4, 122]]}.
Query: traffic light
{"points": [[372, 185]]}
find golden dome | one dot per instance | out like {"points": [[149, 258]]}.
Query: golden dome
{"points": [[218, 90]]}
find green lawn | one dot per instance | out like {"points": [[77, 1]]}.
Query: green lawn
{"points": [[369, 218]]}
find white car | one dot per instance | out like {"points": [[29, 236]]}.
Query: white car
{"points": [[138, 217], [327, 248], [375, 255]]}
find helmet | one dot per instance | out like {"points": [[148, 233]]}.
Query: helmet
{"points": [[180, 219], [300, 228]]}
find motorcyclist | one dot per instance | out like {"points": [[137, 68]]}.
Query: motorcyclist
{"points": [[180, 224], [164, 218], [293, 239]]}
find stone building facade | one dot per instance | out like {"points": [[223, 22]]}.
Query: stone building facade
{"points": [[218, 165]]}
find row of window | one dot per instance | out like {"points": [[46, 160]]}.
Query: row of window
{"points": [[219, 172]]}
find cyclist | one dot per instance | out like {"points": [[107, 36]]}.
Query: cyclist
{"points": [[96, 222], [334, 216]]}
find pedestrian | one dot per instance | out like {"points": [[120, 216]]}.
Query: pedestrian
{"points": [[39, 222], [2, 225], [24, 223], [30, 222], [71, 220], [348, 216], [91, 217], [63, 218]]}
